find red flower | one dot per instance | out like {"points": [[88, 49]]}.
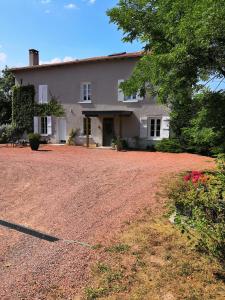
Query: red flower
{"points": [[195, 176]]}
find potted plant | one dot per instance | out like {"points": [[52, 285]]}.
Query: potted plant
{"points": [[119, 145], [114, 143], [34, 140]]}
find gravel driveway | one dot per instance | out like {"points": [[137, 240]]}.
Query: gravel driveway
{"points": [[73, 193]]}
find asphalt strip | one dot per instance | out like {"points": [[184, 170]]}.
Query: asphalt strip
{"points": [[38, 234]]}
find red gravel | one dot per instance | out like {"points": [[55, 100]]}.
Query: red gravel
{"points": [[73, 193]]}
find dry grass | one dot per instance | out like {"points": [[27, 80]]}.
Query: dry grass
{"points": [[152, 260]]}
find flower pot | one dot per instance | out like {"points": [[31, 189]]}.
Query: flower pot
{"points": [[34, 146]]}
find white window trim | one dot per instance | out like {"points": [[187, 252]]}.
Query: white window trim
{"points": [[131, 101], [82, 101], [154, 138]]}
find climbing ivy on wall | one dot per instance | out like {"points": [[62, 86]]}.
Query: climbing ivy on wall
{"points": [[52, 108], [24, 107]]}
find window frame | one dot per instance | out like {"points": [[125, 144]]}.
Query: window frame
{"points": [[131, 98], [84, 133], [86, 91], [154, 127], [44, 132], [42, 94]]}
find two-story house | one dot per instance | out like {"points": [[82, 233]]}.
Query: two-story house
{"points": [[89, 90]]}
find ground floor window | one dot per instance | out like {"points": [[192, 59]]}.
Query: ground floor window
{"points": [[85, 126], [43, 125], [154, 126]]}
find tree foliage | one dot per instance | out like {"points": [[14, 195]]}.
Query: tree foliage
{"points": [[184, 43], [6, 83], [206, 130]]}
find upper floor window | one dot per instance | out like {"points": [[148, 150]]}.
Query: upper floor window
{"points": [[130, 98], [43, 94], [135, 97], [86, 92]]}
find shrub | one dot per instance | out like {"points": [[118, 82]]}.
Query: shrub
{"points": [[34, 140], [169, 145], [72, 136], [120, 144], [199, 201], [10, 132]]}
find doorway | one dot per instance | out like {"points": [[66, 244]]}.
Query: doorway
{"points": [[62, 130], [108, 131]]}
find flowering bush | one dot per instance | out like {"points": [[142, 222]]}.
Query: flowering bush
{"points": [[199, 202]]}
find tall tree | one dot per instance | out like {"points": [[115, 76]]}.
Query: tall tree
{"points": [[7, 81], [184, 44]]}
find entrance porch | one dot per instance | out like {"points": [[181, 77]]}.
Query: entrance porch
{"points": [[111, 124]]}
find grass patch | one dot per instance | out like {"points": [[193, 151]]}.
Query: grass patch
{"points": [[151, 259], [118, 248]]}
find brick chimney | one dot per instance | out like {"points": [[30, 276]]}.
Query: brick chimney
{"points": [[33, 57]]}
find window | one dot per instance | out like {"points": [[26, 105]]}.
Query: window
{"points": [[154, 127], [86, 92], [135, 97], [43, 94], [85, 127], [130, 98], [43, 125]]}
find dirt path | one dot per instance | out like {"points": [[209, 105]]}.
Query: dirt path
{"points": [[73, 193]]}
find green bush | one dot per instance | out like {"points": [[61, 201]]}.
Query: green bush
{"points": [[72, 136], [9, 133], [169, 145], [199, 202], [34, 140], [120, 144]]}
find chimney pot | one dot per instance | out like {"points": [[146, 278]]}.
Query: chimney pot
{"points": [[33, 57]]}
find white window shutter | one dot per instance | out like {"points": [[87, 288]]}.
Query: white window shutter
{"points": [[165, 127], [120, 91], [81, 92], [49, 125], [40, 94], [44, 94], [143, 127], [36, 125]]}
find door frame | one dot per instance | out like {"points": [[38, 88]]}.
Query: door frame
{"points": [[113, 128], [58, 129]]}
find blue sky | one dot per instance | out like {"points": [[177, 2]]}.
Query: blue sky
{"points": [[59, 29]]}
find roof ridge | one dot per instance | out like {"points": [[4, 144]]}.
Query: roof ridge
{"points": [[83, 60]]}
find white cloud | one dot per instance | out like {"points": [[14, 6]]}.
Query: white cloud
{"points": [[57, 60], [89, 1], [70, 6], [3, 57], [45, 1]]}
